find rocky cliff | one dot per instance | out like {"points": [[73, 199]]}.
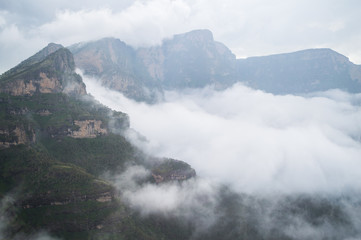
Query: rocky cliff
{"points": [[52, 73], [115, 64], [300, 72], [88, 129], [56, 144], [191, 60], [195, 60]]}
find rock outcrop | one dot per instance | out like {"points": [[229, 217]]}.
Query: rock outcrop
{"points": [[53, 73], [172, 170], [12, 136], [300, 72], [88, 129], [190, 60], [117, 67], [195, 60], [48, 200]]}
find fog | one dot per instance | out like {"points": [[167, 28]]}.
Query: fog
{"points": [[253, 141]]}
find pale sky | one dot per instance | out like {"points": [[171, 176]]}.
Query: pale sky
{"points": [[247, 27]]}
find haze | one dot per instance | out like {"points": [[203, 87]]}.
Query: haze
{"points": [[251, 140], [248, 28]]}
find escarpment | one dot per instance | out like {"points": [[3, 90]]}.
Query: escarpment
{"points": [[57, 144], [53, 73]]}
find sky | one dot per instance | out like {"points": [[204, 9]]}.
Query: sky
{"points": [[247, 27]]}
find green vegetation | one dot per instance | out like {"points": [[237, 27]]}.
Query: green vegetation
{"points": [[169, 165], [96, 155]]}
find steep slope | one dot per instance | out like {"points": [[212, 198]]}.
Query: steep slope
{"points": [[116, 65], [38, 57], [300, 72], [195, 60], [53, 73], [191, 60], [55, 144]]}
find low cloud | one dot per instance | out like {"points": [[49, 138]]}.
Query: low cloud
{"points": [[251, 140], [286, 167], [194, 200]]}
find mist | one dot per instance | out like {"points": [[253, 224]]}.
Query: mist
{"points": [[253, 141], [287, 167]]}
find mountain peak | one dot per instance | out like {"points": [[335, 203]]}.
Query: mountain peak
{"points": [[320, 53], [201, 35], [36, 58], [51, 70]]}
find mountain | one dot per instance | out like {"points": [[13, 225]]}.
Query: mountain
{"points": [[195, 60], [117, 67], [52, 73], [190, 60], [300, 72], [56, 144]]}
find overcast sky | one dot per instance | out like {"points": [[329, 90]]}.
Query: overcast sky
{"points": [[247, 27]]}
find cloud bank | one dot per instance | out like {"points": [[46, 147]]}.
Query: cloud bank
{"points": [[254, 141]]}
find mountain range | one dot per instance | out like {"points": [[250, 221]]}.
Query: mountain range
{"points": [[195, 60], [58, 146]]}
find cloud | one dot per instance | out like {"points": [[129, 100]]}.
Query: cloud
{"points": [[267, 165], [193, 200], [140, 24], [254, 141], [248, 28]]}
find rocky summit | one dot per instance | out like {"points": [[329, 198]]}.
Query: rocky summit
{"points": [[42, 73], [195, 60], [300, 72]]}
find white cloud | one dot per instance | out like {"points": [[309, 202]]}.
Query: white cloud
{"points": [[255, 141], [141, 24], [248, 28], [194, 200]]}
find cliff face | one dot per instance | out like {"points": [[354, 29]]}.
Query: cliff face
{"points": [[15, 135], [53, 73], [195, 60], [88, 129], [300, 72], [191, 60], [117, 67]]}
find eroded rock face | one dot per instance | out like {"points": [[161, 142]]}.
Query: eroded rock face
{"points": [[88, 129], [48, 200], [191, 59], [116, 65], [43, 84], [16, 136], [54, 73]]}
